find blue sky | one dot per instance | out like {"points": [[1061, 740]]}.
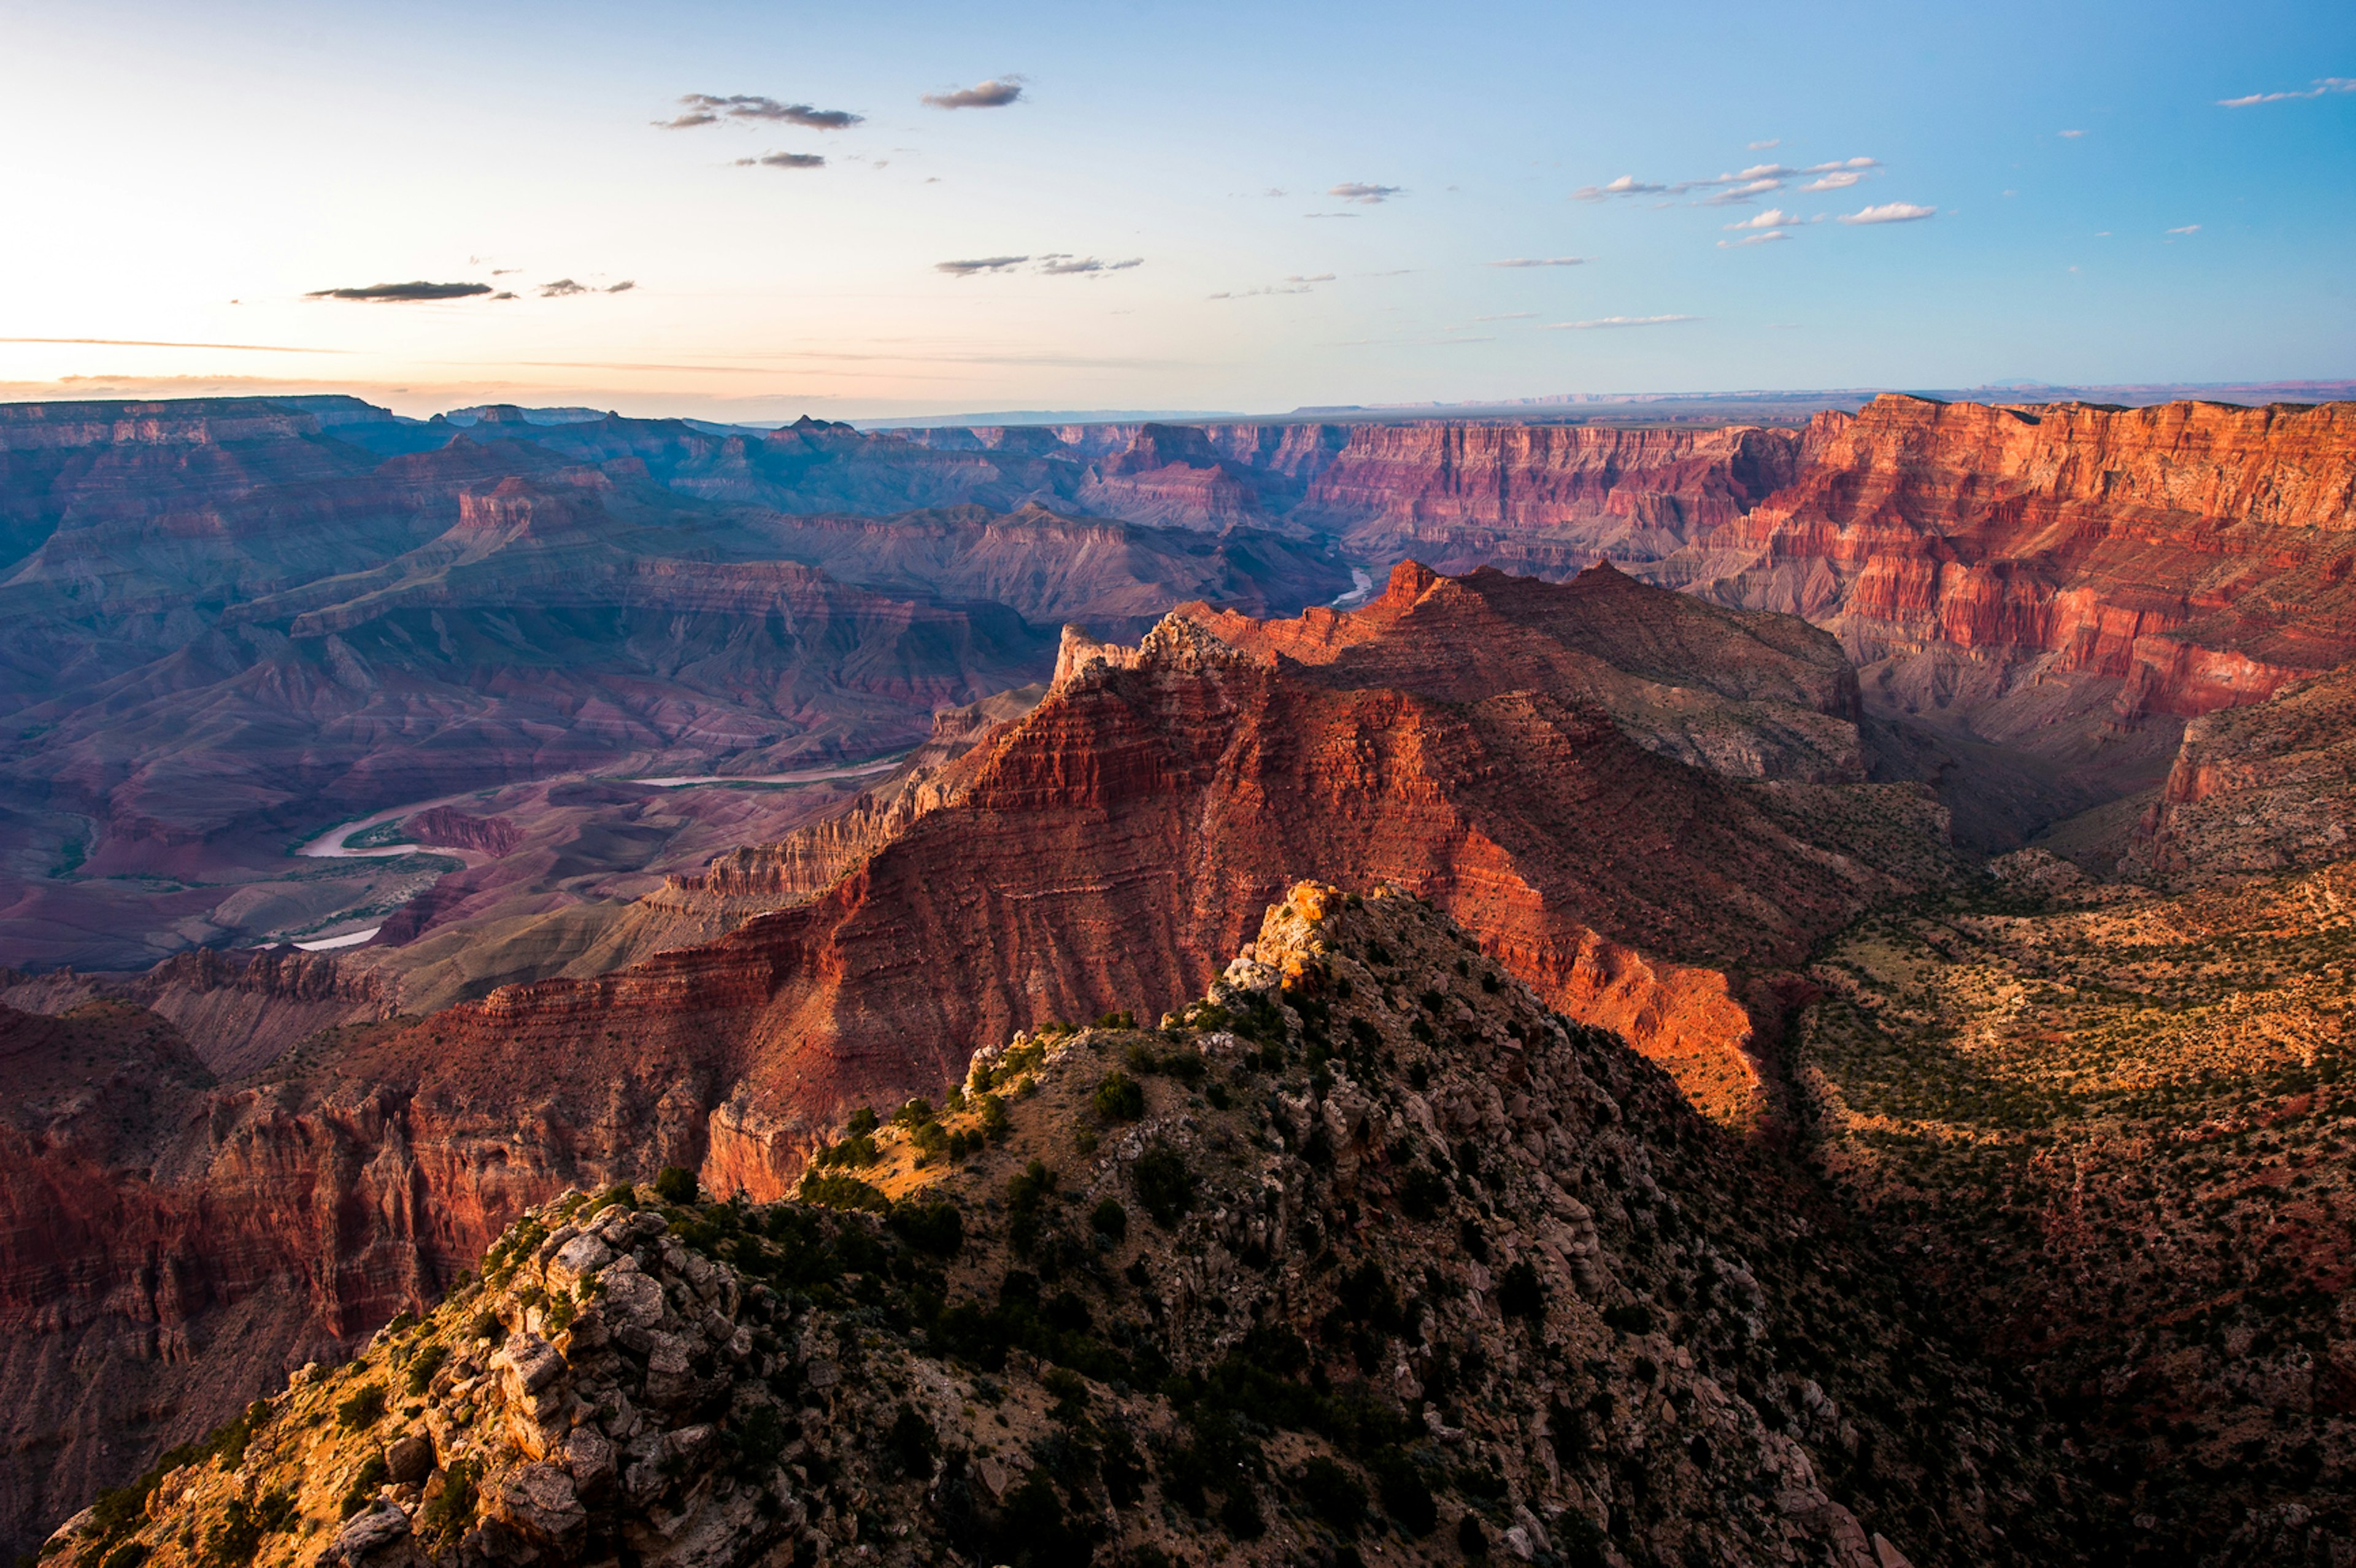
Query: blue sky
{"points": [[2089, 211]]}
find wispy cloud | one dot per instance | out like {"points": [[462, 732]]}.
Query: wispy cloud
{"points": [[2187, 228], [996, 93], [2069, 136], [1510, 315], [980, 264], [1770, 142], [1296, 285], [1602, 321], [709, 109], [1890, 212], [153, 343], [783, 161], [1541, 261], [1750, 190], [2323, 86], [1736, 186], [1773, 218], [1364, 194], [1767, 239], [1062, 265], [403, 294]]}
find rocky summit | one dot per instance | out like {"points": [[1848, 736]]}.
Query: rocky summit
{"points": [[1367, 1254]]}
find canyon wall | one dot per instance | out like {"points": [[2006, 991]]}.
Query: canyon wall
{"points": [[2196, 553]]}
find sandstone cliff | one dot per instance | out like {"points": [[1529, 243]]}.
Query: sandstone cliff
{"points": [[2196, 552]]}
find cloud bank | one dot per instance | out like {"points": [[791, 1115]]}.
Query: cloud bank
{"points": [[403, 294], [709, 109], [1049, 264], [1364, 194]]}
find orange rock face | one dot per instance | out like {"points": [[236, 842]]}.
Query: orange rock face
{"points": [[2198, 552]]}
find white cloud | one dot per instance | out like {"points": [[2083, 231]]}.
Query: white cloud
{"points": [[2323, 84], [1839, 164], [1510, 315], [1605, 321], [2070, 135], [2187, 228], [1773, 218], [1840, 179], [1742, 193], [1541, 261], [1890, 212], [1769, 238], [1770, 142], [1359, 191], [1626, 184]]}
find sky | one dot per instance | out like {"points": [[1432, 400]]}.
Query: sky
{"points": [[760, 210]]}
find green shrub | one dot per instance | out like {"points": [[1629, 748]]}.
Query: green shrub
{"points": [[1070, 1391], [373, 1473], [453, 1509], [935, 1228], [1164, 1186], [1110, 1219], [364, 1409], [1120, 1098], [1404, 1495], [911, 1442], [1334, 1496], [833, 1191], [862, 1120], [423, 1365], [1240, 1516], [237, 1539], [858, 1151], [675, 1185], [995, 1124]]}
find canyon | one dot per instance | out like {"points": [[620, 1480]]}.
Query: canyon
{"points": [[1737, 693]]}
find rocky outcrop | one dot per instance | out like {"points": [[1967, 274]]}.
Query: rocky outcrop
{"points": [[2270, 788], [446, 827], [1369, 1249]]}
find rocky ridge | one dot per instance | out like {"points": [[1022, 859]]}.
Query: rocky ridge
{"points": [[1367, 1252]]}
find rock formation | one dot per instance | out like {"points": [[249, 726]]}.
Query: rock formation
{"points": [[1371, 1253]]}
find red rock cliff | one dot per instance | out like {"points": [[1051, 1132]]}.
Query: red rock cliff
{"points": [[2200, 554]]}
